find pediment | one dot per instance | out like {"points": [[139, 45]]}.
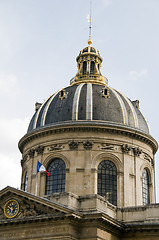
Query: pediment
{"points": [[19, 205]]}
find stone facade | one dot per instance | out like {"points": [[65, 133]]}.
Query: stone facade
{"points": [[82, 163]]}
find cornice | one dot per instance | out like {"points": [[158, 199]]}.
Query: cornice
{"points": [[83, 126]]}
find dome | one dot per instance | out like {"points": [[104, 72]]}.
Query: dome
{"points": [[92, 103], [89, 99]]}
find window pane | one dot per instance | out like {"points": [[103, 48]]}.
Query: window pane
{"points": [[145, 187], [56, 181], [107, 181], [26, 182]]}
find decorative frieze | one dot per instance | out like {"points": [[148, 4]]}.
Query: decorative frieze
{"points": [[88, 145], [31, 153], [107, 146], [137, 151], [73, 145], [55, 147], [39, 150], [125, 148]]}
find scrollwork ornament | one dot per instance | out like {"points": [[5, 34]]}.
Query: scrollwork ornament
{"points": [[55, 147], [107, 146]]}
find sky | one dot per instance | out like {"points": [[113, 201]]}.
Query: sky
{"points": [[39, 43]]}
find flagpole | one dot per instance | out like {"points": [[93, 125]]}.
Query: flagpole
{"points": [[36, 185]]}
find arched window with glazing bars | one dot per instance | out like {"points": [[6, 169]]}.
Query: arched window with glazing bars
{"points": [[107, 181], [26, 182], [145, 187], [56, 181]]}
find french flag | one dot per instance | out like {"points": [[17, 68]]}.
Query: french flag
{"points": [[41, 168]]}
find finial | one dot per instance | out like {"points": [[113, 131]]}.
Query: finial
{"points": [[89, 40]]}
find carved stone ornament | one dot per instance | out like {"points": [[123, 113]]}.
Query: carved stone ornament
{"points": [[27, 210], [55, 147], [107, 146], [125, 148], [73, 145], [137, 151], [88, 145], [39, 150], [31, 153]]}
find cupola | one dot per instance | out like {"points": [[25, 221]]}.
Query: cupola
{"points": [[89, 66]]}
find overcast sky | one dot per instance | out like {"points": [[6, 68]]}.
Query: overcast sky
{"points": [[39, 42]]}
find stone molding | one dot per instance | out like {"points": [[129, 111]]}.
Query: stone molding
{"points": [[49, 130]]}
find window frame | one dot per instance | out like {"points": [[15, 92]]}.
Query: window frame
{"points": [[55, 183], [145, 187], [107, 181]]}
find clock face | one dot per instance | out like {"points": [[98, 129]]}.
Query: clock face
{"points": [[11, 209]]}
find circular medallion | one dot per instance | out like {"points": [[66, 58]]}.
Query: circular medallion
{"points": [[11, 208]]}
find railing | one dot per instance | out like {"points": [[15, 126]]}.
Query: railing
{"points": [[90, 78]]}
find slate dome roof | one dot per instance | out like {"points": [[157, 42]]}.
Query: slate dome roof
{"points": [[86, 102], [88, 99]]}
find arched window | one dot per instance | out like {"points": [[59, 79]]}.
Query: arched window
{"points": [[56, 181], [107, 181], [26, 182], [145, 187], [84, 67], [92, 67]]}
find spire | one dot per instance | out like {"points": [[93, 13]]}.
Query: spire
{"points": [[89, 62], [90, 24]]}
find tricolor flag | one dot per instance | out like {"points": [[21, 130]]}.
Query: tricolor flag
{"points": [[41, 168]]}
